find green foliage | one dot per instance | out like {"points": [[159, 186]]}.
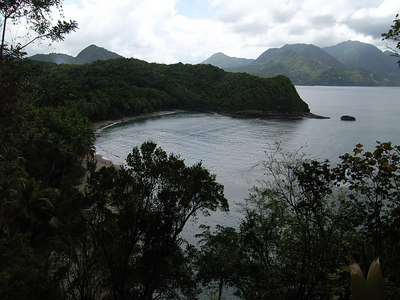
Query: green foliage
{"points": [[133, 225], [288, 245], [123, 87], [373, 179], [218, 257], [300, 224], [53, 142], [41, 153], [121, 238], [394, 33], [23, 271], [37, 15], [292, 230], [14, 75]]}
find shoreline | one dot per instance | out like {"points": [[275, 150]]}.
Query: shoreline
{"points": [[102, 162], [274, 114], [101, 125], [98, 127]]}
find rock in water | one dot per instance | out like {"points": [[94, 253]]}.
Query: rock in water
{"points": [[348, 118]]}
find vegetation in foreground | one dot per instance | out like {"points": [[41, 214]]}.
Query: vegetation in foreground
{"points": [[301, 224], [119, 238]]}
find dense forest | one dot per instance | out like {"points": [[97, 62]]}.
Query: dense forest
{"points": [[118, 235], [120, 87]]}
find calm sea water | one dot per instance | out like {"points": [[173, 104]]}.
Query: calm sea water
{"points": [[232, 147]]}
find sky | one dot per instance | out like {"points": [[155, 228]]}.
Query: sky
{"points": [[190, 31]]}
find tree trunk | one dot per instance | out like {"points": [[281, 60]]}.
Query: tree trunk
{"points": [[3, 38], [221, 285]]}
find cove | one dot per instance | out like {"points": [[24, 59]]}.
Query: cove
{"points": [[233, 147]]}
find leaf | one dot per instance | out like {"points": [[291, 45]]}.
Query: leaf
{"points": [[375, 281], [358, 283]]}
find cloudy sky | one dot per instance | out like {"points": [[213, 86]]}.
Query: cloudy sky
{"points": [[189, 31]]}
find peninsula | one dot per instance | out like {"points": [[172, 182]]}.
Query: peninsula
{"points": [[121, 87]]}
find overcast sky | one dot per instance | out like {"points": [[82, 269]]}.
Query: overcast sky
{"points": [[190, 31]]}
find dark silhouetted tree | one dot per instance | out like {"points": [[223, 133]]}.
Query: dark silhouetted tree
{"points": [[36, 15]]}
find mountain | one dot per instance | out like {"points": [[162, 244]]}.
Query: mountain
{"points": [[357, 55], [94, 53], [302, 63], [223, 61], [304, 50], [57, 58], [348, 63], [89, 54]]}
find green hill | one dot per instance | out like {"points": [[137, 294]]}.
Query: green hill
{"points": [[357, 55], [310, 52], [223, 61], [89, 54], [57, 58], [94, 53], [304, 64], [349, 63], [120, 87], [307, 64]]}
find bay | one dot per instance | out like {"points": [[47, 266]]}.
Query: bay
{"points": [[232, 147]]}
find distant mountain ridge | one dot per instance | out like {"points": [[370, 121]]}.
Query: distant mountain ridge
{"points": [[348, 63], [359, 55], [222, 61], [89, 54], [308, 51]]}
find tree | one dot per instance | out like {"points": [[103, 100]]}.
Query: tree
{"points": [[218, 257], [41, 152], [373, 182], [292, 230], [373, 179], [300, 225], [23, 271], [290, 243], [135, 217], [394, 33], [37, 17]]}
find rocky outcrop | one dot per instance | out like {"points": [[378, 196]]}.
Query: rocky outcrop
{"points": [[347, 118]]}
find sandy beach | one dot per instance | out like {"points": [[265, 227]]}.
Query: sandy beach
{"points": [[99, 126]]}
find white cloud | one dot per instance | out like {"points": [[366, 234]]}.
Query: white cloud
{"points": [[154, 30]]}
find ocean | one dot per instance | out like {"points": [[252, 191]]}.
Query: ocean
{"points": [[234, 147]]}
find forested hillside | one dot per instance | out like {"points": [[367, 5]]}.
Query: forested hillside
{"points": [[119, 87], [89, 54], [364, 56], [346, 64]]}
